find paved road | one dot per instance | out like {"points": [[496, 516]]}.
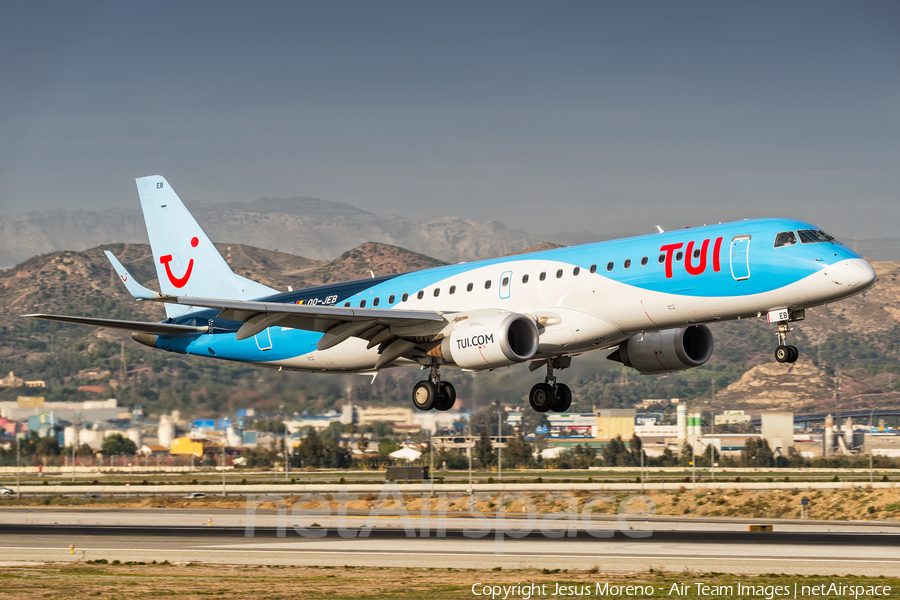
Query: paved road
{"points": [[716, 546]]}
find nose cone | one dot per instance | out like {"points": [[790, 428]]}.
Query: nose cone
{"points": [[854, 273]]}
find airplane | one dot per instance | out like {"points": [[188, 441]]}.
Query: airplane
{"points": [[648, 298]]}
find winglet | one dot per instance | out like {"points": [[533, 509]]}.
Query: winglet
{"points": [[659, 229], [134, 288]]}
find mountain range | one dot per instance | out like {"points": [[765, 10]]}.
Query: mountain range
{"points": [[302, 226]]}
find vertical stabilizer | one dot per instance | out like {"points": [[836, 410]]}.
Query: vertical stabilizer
{"points": [[187, 263]]}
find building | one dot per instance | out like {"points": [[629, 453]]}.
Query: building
{"points": [[731, 417], [778, 430], [11, 381], [91, 411], [185, 445], [387, 415], [615, 422]]}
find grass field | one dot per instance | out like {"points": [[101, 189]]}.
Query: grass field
{"points": [[857, 503], [135, 581]]}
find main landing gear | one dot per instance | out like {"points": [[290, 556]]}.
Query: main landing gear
{"points": [[784, 353], [550, 395], [433, 393]]}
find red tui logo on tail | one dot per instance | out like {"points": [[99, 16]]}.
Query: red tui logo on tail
{"points": [[179, 282]]}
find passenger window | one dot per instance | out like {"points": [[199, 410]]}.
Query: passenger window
{"points": [[644, 261], [559, 274], [609, 266], [697, 253], [543, 276], [662, 258], [375, 302], [437, 292], [452, 289], [391, 299], [362, 303], [346, 304], [785, 238], [469, 287], [627, 263], [421, 294], [679, 255], [593, 268], [576, 271], [487, 284], [524, 278], [505, 281], [405, 297]]}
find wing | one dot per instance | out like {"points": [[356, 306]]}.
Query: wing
{"points": [[155, 328], [383, 328]]}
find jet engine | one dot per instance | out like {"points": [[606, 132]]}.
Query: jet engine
{"points": [[666, 351], [495, 340]]}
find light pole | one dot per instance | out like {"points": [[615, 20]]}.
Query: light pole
{"points": [[642, 466], [712, 434], [469, 452], [869, 442], [223, 467], [500, 443], [18, 462]]}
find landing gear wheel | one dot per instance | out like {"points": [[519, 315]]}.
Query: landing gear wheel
{"points": [[562, 399], [793, 354], [782, 354], [541, 397], [424, 395], [446, 397]]}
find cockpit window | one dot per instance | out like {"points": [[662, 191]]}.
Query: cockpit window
{"points": [[785, 238], [814, 236]]}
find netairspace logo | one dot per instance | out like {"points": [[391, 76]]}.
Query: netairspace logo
{"points": [[577, 517]]}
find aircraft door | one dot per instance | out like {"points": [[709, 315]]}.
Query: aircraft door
{"points": [[505, 283], [263, 340], [740, 257]]}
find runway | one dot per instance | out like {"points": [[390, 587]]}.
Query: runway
{"points": [[810, 549]]}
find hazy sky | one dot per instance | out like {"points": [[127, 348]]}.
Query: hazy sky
{"points": [[550, 116]]}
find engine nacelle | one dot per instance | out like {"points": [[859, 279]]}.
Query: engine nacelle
{"points": [[666, 351], [495, 340]]}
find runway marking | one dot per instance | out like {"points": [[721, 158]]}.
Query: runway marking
{"points": [[469, 554]]}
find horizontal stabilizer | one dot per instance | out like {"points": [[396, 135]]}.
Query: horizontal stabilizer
{"points": [[169, 329]]}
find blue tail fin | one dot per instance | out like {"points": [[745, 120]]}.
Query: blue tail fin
{"points": [[187, 263]]}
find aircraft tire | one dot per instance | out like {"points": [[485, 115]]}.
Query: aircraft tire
{"points": [[424, 395], [562, 398], [446, 396], [782, 354], [541, 397], [794, 354]]}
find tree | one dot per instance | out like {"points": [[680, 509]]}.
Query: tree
{"points": [[616, 454], [756, 453], [82, 450], [668, 458], [637, 449], [484, 449], [260, 457], [518, 452], [314, 451], [117, 445]]}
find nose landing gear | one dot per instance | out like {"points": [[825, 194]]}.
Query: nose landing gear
{"points": [[784, 353], [550, 395], [433, 393]]}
